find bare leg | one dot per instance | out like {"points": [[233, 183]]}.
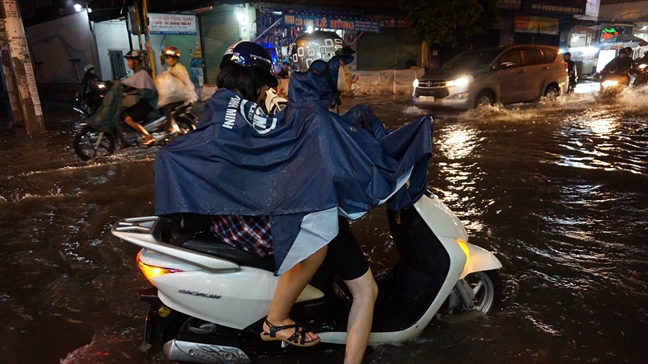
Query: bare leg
{"points": [[364, 291], [290, 286], [171, 123], [139, 128]]}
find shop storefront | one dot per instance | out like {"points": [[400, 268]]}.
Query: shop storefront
{"points": [[282, 27], [221, 27]]}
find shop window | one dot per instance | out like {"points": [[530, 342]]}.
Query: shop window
{"points": [[117, 64]]}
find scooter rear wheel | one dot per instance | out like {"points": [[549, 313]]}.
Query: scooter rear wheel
{"points": [[487, 288]]}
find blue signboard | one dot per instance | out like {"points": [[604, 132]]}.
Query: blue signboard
{"points": [[327, 22]]}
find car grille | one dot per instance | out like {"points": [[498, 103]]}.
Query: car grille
{"points": [[432, 83], [438, 93]]}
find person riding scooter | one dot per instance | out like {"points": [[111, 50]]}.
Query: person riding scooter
{"points": [[182, 91], [90, 88], [619, 68], [140, 84], [240, 163]]}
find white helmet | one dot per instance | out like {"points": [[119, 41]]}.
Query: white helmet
{"points": [[88, 67]]}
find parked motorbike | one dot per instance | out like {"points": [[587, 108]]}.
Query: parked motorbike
{"points": [[87, 105], [613, 83], [208, 299], [641, 77], [90, 143]]}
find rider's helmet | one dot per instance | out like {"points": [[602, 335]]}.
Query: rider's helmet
{"points": [[316, 46], [250, 54], [628, 51], [88, 67], [133, 55], [172, 51], [623, 51]]}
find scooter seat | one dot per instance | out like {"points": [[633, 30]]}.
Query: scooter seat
{"points": [[209, 244]]}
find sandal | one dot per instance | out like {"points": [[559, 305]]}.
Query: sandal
{"points": [[147, 143], [296, 339]]}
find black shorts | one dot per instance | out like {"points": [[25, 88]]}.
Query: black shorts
{"points": [[139, 111], [344, 255]]}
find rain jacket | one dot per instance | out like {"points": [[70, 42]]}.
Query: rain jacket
{"points": [[301, 167], [108, 113]]}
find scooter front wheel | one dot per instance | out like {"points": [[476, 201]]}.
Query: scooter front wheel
{"points": [[487, 289], [90, 143]]}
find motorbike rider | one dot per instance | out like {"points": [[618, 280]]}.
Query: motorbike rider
{"points": [[284, 71], [140, 84], [298, 169], [620, 66], [642, 60], [177, 70], [571, 71], [89, 91]]}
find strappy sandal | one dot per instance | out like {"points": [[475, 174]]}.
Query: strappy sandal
{"points": [[296, 339]]}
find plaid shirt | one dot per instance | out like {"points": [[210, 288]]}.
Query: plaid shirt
{"points": [[249, 233]]}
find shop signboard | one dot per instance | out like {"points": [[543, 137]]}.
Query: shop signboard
{"points": [[181, 24], [395, 23], [558, 6], [359, 25], [535, 24]]}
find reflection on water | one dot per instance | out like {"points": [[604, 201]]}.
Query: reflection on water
{"points": [[557, 189]]}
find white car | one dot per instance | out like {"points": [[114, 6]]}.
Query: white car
{"points": [[497, 75]]}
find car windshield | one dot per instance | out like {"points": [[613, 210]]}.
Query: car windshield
{"points": [[472, 59]]}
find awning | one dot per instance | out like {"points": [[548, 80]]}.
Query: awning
{"points": [[329, 19]]}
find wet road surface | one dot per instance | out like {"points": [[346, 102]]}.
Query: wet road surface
{"points": [[558, 190]]}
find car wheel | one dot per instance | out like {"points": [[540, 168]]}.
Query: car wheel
{"points": [[484, 98], [551, 92]]}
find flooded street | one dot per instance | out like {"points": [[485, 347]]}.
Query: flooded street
{"points": [[557, 190]]}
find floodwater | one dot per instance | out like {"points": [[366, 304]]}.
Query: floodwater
{"points": [[557, 190]]}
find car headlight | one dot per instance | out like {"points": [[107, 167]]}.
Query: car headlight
{"points": [[415, 83], [461, 81], [609, 83]]}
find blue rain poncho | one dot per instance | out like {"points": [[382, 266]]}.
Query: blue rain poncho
{"points": [[302, 167]]}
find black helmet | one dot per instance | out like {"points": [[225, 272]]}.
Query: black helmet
{"points": [[250, 54], [628, 50], [133, 55], [316, 46]]}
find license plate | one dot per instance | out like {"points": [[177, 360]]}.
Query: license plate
{"points": [[426, 98]]}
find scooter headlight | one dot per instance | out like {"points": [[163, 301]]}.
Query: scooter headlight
{"points": [[151, 271], [415, 83], [642, 66], [609, 83]]}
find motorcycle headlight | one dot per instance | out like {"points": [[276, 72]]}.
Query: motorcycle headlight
{"points": [[461, 81], [609, 83], [415, 83], [642, 66]]}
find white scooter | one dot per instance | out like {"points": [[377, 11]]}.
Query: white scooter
{"points": [[209, 299]]}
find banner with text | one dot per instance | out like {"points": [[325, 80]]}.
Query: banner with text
{"points": [[172, 24], [359, 25], [535, 24]]}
